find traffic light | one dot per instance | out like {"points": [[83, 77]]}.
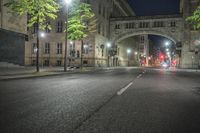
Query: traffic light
{"points": [[161, 57]]}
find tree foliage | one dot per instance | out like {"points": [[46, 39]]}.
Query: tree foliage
{"points": [[37, 9], [79, 20], [194, 20]]}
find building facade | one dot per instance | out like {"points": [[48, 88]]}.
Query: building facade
{"points": [[12, 36], [94, 52], [191, 44]]}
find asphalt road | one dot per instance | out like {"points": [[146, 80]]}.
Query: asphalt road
{"points": [[123, 100]]}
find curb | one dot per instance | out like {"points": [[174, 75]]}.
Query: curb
{"points": [[45, 75]]}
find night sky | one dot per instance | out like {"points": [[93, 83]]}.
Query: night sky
{"points": [[155, 7]]}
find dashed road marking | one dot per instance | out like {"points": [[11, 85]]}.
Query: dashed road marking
{"points": [[139, 76], [120, 92], [124, 89]]}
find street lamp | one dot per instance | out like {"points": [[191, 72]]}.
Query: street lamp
{"points": [[68, 1], [128, 51], [167, 43], [66, 25], [42, 34], [36, 50], [136, 53], [108, 45]]}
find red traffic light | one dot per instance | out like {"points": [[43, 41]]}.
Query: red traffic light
{"points": [[161, 57]]}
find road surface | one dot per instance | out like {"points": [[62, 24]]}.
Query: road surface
{"points": [[122, 100]]}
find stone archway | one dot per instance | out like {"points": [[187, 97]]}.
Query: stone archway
{"points": [[123, 36], [176, 40]]}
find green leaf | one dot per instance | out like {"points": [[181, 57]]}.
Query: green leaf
{"points": [[42, 9]]}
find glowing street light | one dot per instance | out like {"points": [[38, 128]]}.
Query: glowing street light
{"points": [[167, 43], [168, 53], [136, 53], [108, 45], [167, 50], [68, 1], [42, 34], [85, 46], [128, 51]]}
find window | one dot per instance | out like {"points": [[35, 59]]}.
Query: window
{"points": [[28, 18], [72, 53], [158, 24], [0, 6], [117, 26], [33, 62], [47, 48], [72, 49], [173, 24], [47, 25], [85, 62], [46, 62], [108, 13], [103, 30], [85, 49], [99, 8], [144, 24], [78, 54], [59, 48], [34, 48], [129, 25], [59, 26], [104, 11], [58, 63], [99, 28], [35, 27], [142, 39]]}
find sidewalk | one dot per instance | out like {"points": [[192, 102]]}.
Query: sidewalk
{"points": [[176, 69], [29, 72]]}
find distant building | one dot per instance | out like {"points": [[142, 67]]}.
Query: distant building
{"points": [[191, 52], [12, 36]]}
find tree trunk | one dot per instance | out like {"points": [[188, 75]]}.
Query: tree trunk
{"points": [[81, 54]]}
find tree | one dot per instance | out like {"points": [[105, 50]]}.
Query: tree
{"points": [[79, 23], [194, 20], [39, 10]]}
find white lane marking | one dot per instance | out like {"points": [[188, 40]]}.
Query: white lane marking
{"points": [[124, 89], [139, 76]]}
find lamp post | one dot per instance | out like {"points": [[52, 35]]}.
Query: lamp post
{"points": [[128, 51], [66, 26], [137, 57], [37, 44], [108, 45], [39, 34]]}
